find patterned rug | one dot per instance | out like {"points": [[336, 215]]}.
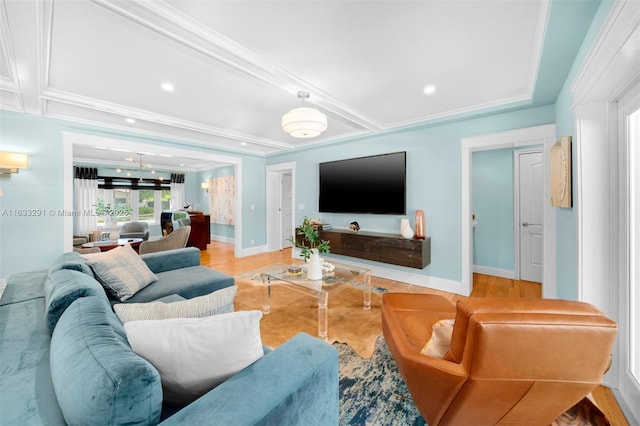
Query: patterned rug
{"points": [[373, 392]]}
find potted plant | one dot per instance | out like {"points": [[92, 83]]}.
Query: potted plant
{"points": [[311, 247]]}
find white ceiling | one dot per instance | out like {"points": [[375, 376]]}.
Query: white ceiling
{"points": [[237, 65]]}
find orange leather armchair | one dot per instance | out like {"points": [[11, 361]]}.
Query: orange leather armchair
{"points": [[512, 361]]}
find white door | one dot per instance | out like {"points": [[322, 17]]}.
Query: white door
{"points": [[531, 211], [286, 209]]}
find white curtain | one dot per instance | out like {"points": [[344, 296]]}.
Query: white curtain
{"points": [[177, 191], [85, 193]]}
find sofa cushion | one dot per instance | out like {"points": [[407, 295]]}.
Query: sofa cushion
{"points": [[97, 378], [24, 286], [172, 259], [218, 302], [62, 288], [71, 260], [187, 282], [203, 352], [27, 396], [121, 271]]}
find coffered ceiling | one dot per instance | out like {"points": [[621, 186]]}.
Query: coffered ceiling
{"points": [[236, 66]]}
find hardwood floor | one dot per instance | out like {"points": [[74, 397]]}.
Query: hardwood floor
{"points": [[221, 256]]}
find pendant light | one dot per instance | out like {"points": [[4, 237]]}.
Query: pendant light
{"points": [[304, 122]]}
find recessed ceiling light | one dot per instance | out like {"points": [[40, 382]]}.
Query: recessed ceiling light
{"points": [[129, 159], [243, 143], [429, 90], [167, 87], [130, 120], [181, 165]]}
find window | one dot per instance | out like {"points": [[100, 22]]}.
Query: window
{"points": [[132, 199]]}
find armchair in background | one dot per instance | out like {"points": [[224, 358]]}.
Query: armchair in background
{"points": [[135, 230], [177, 239]]}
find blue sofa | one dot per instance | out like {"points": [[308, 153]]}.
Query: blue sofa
{"points": [[64, 357]]}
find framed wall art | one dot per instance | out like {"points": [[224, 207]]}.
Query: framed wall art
{"points": [[560, 177]]}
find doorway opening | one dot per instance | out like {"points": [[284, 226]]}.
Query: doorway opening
{"points": [[280, 205], [539, 135]]}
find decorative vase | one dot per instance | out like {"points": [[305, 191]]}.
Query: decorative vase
{"points": [[405, 229], [420, 228], [115, 234], [314, 270]]}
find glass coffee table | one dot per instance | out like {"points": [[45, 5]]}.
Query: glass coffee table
{"points": [[297, 276]]}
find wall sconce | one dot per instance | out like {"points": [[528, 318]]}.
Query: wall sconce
{"points": [[205, 186], [12, 162]]}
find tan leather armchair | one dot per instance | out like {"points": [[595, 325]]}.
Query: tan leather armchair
{"points": [[177, 239], [512, 361]]}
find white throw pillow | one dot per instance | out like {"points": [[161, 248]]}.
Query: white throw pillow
{"points": [[121, 270], [218, 302], [194, 355], [440, 341]]}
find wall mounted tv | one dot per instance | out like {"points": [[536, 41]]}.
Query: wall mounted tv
{"points": [[375, 184]]}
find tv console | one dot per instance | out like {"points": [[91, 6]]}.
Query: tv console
{"points": [[380, 247]]}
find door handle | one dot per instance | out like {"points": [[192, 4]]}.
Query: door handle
{"points": [[526, 224]]}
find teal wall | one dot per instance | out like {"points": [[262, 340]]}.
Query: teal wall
{"points": [[492, 204], [433, 179], [217, 229], [30, 243]]}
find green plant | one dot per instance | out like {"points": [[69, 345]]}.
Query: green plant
{"points": [[311, 241]]}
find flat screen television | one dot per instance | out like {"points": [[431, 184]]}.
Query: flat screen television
{"points": [[375, 184]]}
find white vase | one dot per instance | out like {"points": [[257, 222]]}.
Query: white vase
{"points": [[405, 229], [314, 268], [115, 234]]}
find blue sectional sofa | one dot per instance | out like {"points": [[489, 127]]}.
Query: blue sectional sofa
{"points": [[84, 371]]}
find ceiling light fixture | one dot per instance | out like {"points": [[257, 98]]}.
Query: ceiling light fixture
{"points": [[304, 122], [167, 87], [429, 90], [130, 120], [141, 167]]}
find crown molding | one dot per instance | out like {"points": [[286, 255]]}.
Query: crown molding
{"points": [[139, 114], [170, 22], [9, 83]]}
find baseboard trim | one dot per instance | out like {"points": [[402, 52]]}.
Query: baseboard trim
{"points": [[496, 272], [223, 239]]}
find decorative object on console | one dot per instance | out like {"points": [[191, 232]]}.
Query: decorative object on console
{"points": [[420, 232], [114, 235], [311, 252], [304, 122], [354, 226], [405, 229]]}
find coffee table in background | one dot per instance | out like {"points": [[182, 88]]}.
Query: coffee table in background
{"points": [[108, 245], [343, 274]]}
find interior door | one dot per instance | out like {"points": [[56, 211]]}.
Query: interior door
{"points": [[531, 223], [286, 209]]}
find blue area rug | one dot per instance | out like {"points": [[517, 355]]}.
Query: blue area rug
{"points": [[372, 391]]}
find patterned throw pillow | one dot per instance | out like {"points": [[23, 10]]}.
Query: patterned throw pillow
{"points": [[121, 271], [202, 353], [218, 302]]}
